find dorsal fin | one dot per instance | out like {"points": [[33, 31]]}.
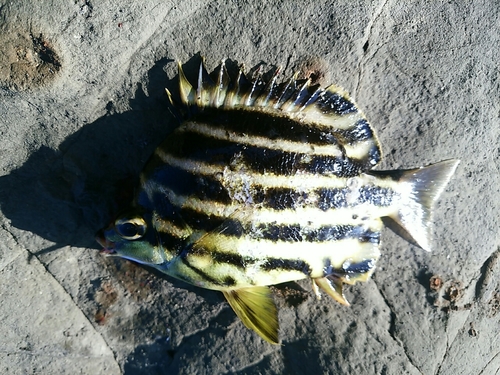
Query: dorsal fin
{"points": [[330, 110]]}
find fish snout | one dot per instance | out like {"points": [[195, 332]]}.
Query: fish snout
{"points": [[107, 245]]}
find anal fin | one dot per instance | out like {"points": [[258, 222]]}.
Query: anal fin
{"points": [[332, 286], [256, 309]]}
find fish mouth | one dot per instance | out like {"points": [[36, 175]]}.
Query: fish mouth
{"points": [[107, 246]]}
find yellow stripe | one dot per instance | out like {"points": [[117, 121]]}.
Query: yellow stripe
{"points": [[301, 182], [338, 252], [358, 150], [165, 226], [264, 142], [329, 122], [253, 275], [309, 114], [308, 216]]}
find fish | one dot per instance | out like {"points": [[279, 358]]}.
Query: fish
{"points": [[266, 182]]}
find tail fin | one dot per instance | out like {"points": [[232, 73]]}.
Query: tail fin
{"points": [[423, 187]]}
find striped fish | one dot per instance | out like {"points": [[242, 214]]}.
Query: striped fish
{"points": [[269, 182]]}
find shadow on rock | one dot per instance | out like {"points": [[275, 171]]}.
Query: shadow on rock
{"points": [[66, 195], [151, 359], [162, 357]]}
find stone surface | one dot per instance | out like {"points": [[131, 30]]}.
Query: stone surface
{"points": [[82, 106]]}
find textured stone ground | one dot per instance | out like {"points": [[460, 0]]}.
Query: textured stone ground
{"points": [[82, 106]]}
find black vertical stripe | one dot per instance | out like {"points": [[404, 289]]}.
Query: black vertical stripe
{"points": [[184, 183], [334, 103], [206, 223], [287, 265], [279, 198], [199, 272], [348, 269], [361, 267], [361, 131], [376, 195], [327, 233], [226, 153], [340, 232], [279, 126], [169, 242], [332, 198], [220, 257], [289, 233], [337, 198]]}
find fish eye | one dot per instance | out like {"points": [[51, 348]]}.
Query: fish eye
{"points": [[130, 228]]}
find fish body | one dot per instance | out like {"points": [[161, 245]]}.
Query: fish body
{"points": [[266, 183]]}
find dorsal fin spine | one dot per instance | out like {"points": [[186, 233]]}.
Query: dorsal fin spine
{"points": [[186, 90], [222, 85], [270, 88], [313, 98], [286, 92]]}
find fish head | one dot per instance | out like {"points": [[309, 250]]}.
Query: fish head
{"points": [[131, 236]]}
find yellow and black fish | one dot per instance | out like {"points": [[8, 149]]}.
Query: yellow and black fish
{"points": [[270, 182]]}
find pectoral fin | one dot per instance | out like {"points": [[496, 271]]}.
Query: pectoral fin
{"points": [[256, 308]]}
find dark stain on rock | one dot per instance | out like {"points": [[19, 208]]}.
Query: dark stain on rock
{"points": [[27, 59]]}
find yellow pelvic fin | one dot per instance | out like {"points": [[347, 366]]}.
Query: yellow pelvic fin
{"points": [[332, 286], [256, 308]]}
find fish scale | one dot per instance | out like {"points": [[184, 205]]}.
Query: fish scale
{"points": [[268, 182]]}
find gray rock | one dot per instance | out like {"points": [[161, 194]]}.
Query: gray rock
{"points": [[82, 107]]}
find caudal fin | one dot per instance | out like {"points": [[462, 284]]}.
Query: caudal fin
{"points": [[420, 188]]}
